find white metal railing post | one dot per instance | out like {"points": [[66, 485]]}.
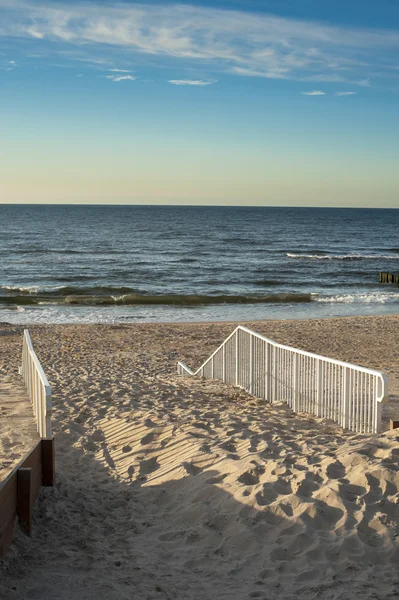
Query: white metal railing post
{"points": [[251, 358], [319, 388], [275, 370], [237, 358], [224, 364], [269, 372], [346, 422], [295, 403], [382, 394]]}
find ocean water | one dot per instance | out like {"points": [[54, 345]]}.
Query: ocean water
{"points": [[92, 264]]}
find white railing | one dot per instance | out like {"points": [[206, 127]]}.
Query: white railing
{"points": [[38, 387], [345, 393]]}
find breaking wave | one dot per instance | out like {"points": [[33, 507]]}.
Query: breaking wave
{"points": [[343, 256], [126, 297], [365, 298]]}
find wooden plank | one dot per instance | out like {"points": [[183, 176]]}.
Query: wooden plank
{"points": [[9, 493], [48, 462], [34, 461], [6, 537], [8, 511], [24, 499]]}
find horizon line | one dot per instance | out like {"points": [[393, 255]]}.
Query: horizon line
{"points": [[197, 205]]}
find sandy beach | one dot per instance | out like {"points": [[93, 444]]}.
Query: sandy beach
{"points": [[180, 488]]}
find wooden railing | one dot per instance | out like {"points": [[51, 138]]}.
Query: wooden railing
{"points": [[327, 388], [38, 387]]}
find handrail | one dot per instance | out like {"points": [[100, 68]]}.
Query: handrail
{"points": [[348, 394], [38, 387]]}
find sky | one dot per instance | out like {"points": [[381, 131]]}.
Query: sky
{"points": [[263, 102]]}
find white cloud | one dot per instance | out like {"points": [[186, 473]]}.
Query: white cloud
{"points": [[7, 65], [363, 82], [345, 93], [120, 77], [199, 82], [119, 71], [239, 42], [314, 93]]}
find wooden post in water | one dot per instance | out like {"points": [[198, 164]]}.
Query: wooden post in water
{"points": [[389, 278]]}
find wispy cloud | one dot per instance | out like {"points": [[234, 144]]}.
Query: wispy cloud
{"points": [[7, 65], [119, 71], [199, 82], [345, 93], [363, 82], [120, 77], [314, 93], [237, 42]]}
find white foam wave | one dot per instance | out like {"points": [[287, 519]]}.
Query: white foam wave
{"points": [[353, 256], [31, 289], [366, 298]]}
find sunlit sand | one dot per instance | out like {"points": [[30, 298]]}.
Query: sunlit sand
{"points": [[188, 488]]}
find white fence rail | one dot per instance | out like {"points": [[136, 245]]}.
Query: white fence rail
{"points": [[345, 393], [38, 387]]}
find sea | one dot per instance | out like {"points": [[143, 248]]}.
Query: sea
{"points": [[132, 264]]}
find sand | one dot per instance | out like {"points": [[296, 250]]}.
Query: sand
{"points": [[179, 488]]}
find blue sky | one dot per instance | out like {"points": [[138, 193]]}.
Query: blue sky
{"points": [[261, 102]]}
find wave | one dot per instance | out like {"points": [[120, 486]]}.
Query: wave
{"points": [[361, 298], [343, 256], [66, 290], [128, 296], [147, 299]]}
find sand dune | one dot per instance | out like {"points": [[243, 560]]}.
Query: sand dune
{"points": [[190, 489]]}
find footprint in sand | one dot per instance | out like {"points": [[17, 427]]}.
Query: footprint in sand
{"points": [[216, 479], [267, 496], [249, 477], [233, 456], [150, 437], [149, 466], [97, 436], [205, 448], [307, 486], [229, 446], [335, 470], [205, 426], [352, 492], [191, 469]]}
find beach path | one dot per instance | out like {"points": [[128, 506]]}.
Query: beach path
{"points": [[189, 489], [18, 430]]}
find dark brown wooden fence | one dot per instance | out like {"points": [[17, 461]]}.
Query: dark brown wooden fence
{"points": [[20, 489]]}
